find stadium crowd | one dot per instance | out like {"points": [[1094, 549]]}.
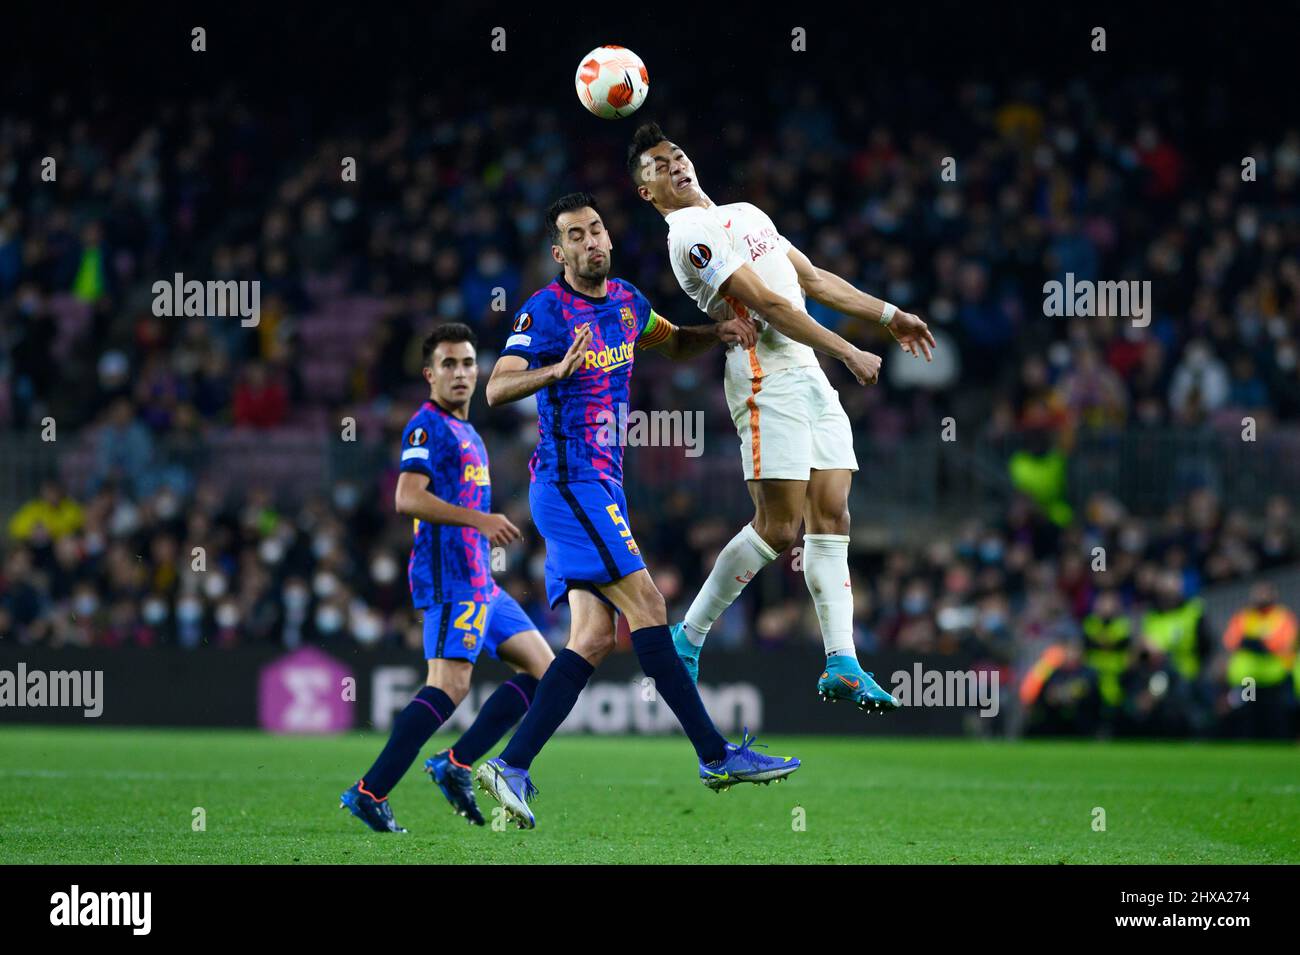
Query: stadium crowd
{"points": [[446, 210]]}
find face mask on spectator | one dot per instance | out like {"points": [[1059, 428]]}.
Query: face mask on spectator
{"points": [[993, 620], [227, 616], [86, 605], [915, 604], [296, 598], [365, 626], [214, 585], [189, 610], [383, 570], [324, 584], [271, 550], [125, 520], [94, 543], [322, 545], [345, 497], [329, 619], [166, 506], [154, 611]]}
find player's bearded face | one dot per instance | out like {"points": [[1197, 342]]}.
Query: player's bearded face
{"points": [[584, 245], [593, 264]]}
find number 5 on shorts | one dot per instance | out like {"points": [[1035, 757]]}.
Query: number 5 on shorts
{"points": [[617, 518]]}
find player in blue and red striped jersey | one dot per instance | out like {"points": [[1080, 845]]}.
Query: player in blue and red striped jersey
{"points": [[445, 486], [573, 345]]}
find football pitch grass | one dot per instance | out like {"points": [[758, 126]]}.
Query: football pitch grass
{"points": [[110, 795]]}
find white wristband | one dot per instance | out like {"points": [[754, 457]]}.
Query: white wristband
{"points": [[888, 315]]}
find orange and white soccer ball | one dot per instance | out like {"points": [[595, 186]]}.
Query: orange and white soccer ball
{"points": [[612, 82]]}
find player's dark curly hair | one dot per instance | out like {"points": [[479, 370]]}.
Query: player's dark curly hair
{"points": [[647, 136], [569, 203], [448, 332]]}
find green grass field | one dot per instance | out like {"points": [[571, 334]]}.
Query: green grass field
{"points": [[110, 795]]}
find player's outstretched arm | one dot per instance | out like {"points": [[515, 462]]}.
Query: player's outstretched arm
{"points": [[512, 379], [912, 334], [745, 286], [414, 499], [683, 342]]}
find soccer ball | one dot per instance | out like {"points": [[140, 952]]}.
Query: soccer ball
{"points": [[612, 82]]}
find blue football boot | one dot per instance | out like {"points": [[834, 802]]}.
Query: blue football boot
{"points": [[743, 765], [457, 784], [511, 787], [375, 813], [844, 679], [687, 652]]}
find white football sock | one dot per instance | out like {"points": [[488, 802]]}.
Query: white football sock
{"points": [[826, 571], [738, 563]]}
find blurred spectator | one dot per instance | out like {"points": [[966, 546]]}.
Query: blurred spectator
{"points": [[1109, 646], [52, 516], [123, 450], [260, 400], [1260, 643]]}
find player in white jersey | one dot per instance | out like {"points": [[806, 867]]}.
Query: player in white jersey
{"points": [[796, 443]]}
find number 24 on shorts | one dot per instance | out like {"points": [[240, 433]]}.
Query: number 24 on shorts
{"points": [[463, 621]]}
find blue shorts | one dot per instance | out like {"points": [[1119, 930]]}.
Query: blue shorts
{"points": [[462, 629], [588, 540]]}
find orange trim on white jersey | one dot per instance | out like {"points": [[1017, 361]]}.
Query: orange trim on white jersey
{"points": [[755, 435], [737, 306]]}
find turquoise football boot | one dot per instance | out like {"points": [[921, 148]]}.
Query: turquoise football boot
{"points": [[844, 679], [687, 652]]}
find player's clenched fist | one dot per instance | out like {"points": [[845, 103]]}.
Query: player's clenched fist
{"points": [[864, 365], [741, 331], [498, 529], [573, 357]]}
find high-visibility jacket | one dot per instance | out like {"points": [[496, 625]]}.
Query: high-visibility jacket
{"points": [[1262, 645], [1106, 651], [60, 519], [1174, 633]]}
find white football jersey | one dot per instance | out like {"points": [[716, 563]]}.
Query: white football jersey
{"points": [[706, 245]]}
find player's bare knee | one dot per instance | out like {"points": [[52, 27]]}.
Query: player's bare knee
{"points": [[452, 681], [592, 645], [832, 521], [777, 534], [651, 606], [640, 601]]}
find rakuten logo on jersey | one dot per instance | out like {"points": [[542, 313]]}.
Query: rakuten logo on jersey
{"points": [[607, 359]]}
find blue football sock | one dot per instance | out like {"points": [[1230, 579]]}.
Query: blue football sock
{"points": [[498, 713], [411, 729], [654, 648], [557, 691]]}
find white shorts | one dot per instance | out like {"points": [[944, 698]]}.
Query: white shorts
{"points": [[790, 423]]}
